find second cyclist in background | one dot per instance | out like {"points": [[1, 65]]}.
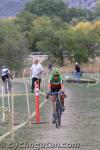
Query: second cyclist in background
{"points": [[5, 74]]}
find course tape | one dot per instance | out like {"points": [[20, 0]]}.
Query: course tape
{"points": [[21, 125], [20, 94]]}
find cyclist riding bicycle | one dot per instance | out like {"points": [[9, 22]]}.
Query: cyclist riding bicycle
{"points": [[5, 74], [56, 85]]}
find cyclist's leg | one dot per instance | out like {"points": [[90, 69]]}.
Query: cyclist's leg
{"points": [[4, 83], [62, 101], [9, 85], [54, 108], [53, 103]]}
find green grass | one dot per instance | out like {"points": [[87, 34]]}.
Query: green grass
{"points": [[20, 107]]}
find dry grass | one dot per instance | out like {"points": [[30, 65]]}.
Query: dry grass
{"points": [[88, 67], [93, 67]]}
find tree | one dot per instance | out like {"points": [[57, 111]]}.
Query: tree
{"points": [[13, 45], [97, 10], [96, 27], [83, 26], [47, 35], [88, 37], [49, 8], [58, 8], [85, 45], [40, 30], [25, 20]]}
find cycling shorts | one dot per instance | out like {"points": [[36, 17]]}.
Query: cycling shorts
{"points": [[5, 77]]}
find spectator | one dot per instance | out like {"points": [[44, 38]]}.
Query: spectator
{"points": [[36, 71], [77, 67], [78, 72]]}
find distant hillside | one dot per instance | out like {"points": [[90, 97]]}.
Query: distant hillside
{"points": [[13, 7], [85, 4]]}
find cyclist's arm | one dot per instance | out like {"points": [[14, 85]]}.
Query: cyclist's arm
{"points": [[49, 86], [48, 90], [62, 84], [10, 76], [63, 89]]}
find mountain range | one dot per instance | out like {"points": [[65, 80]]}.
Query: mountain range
{"points": [[85, 4], [13, 7]]}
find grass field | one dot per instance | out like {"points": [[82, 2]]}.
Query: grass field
{"points": [[20, 105]]}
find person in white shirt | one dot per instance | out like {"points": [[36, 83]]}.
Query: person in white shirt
{"points": [[36, 71]]}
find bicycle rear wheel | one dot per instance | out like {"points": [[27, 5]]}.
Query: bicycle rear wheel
{"points": [[59, 119]]}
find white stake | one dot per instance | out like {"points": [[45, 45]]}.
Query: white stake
{"points": [[8, 97], [8, 102], [28, 106], [13, 78], [3, 112], [12, 116]]}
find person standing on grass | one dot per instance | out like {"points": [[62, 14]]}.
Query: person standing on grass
{"points": [[36, 71]]}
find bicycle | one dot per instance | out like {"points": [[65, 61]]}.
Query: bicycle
{"points": [[58, 113]]}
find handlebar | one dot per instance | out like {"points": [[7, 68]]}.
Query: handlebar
{"points": [[54, 93]]}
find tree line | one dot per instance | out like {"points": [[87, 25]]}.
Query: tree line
{"points": [[50, 26]]}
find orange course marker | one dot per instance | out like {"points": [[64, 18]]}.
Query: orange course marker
{"points": [[37, 102]]}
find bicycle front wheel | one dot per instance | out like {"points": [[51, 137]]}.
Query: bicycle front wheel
{"points": [[58, 116]]}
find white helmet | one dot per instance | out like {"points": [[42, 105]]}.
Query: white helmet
{"points": [[76, 63]]}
